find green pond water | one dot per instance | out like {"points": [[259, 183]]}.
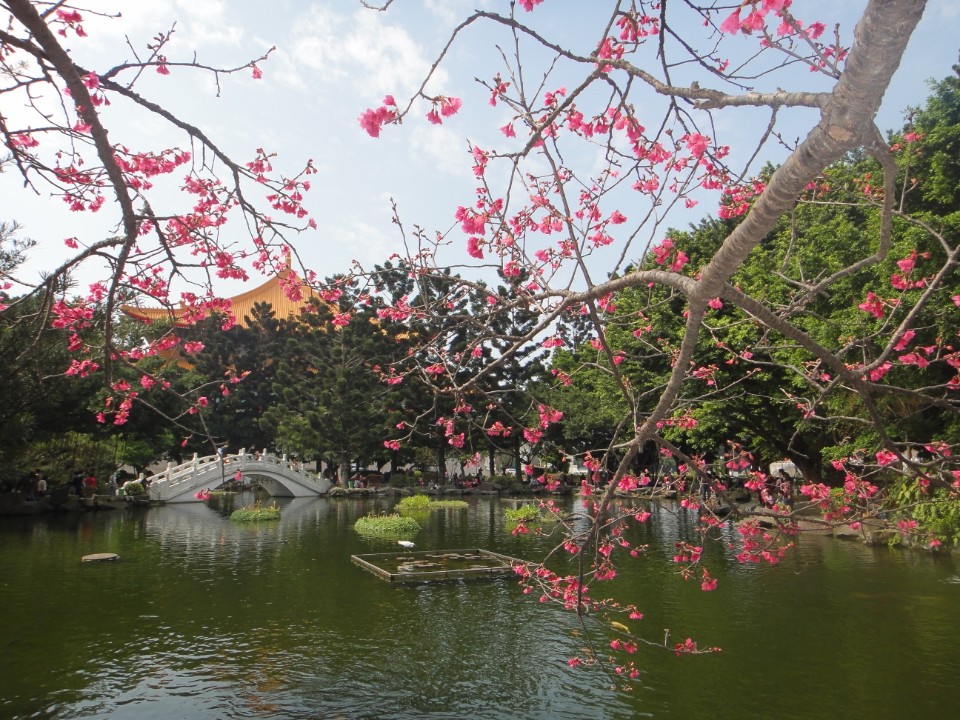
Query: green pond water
{"points": [[204, 618]]}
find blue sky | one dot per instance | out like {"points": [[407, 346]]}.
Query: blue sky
{"points": [[333, 60]]}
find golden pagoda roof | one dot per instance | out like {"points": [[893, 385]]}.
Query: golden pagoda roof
{"points": [[241, 306]]}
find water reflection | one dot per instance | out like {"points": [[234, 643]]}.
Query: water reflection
{"points": [[205, 618]]}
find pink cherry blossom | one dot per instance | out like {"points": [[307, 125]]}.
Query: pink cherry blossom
{"points": [[450, 106], [372, 120], [731, 25], [696, 143], [872, 305], [886, 457], [473, 247], [906, 527], [904, 340]]}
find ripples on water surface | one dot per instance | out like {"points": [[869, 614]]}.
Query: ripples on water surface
{"points": [[202, 618]]}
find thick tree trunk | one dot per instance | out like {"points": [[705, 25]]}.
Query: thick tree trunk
{"points": [[442, 462], [809, 467], [847, 123]]}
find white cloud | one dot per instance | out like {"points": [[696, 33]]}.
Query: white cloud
{"points": [[207, 23], [450, 11], [375, 56], [211, 11], [948, 10], [440, 147], [200, 24], [283, 68], [366, 243]]}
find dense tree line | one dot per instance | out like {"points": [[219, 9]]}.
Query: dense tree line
{"points": [[763, 390], [319, 386]]}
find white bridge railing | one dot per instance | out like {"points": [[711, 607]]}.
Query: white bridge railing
{"points": [[278, 475]]}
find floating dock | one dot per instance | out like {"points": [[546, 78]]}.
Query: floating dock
{"points": [[431, 565], [100, 557]]}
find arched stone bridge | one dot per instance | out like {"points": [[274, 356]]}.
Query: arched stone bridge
{"points": [[277, 475]]}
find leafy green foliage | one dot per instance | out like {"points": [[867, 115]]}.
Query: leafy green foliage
{"points": [[236, 413], [935, 165], [133, 489], [40, 403], [257, 513], [760, 387], [422, 504], [414, 503], [522, 514], [449, 505], [387, 526], [937, 512], [328, 399]]}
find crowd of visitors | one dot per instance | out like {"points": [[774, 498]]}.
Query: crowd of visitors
{"points": [[34, 485], [81, 483]]}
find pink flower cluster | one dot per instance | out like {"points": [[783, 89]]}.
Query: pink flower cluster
{"points": [[443, 107], [666, 254], [373, 119]]}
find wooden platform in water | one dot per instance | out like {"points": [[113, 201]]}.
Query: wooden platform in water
{"points": [[100, 557], [431, 565]]}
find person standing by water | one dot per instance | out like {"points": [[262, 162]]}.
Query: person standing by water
{"points": [[89, 485], [77, 483], [705, 487], [112, 482], [785, 488], [29, 485]]}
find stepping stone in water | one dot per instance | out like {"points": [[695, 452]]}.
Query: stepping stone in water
{"points": [[99, 557]]}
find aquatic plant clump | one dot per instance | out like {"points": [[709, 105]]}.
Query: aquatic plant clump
{"points": [[449, 504], [414, 503], [257, 513], [387, 526], [423, 503], [524, 514]]}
